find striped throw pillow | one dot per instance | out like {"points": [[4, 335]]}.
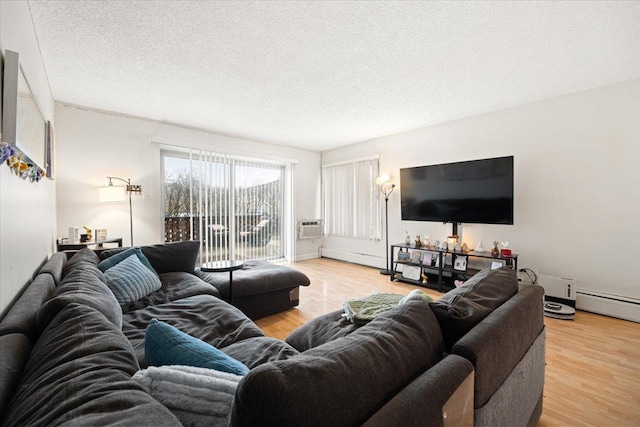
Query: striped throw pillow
{"points": [[130, 280]]}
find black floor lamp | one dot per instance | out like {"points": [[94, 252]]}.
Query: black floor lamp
{"points": [[113, 193], [386, 188]]}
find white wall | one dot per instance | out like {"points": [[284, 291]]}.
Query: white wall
{"points": [[577, 184], [93, 145], [27, 210]]}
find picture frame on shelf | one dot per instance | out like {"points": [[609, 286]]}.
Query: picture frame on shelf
{"points": [[101, 234], [460, 263], [436, 262], [497, 264], [416, 257], [427, 259], [411, 272]]}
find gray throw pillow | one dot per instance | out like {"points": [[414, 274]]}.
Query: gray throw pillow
{"points": [[460, 309], [166, 257], [130, 280], [106, 264], [79, 373]]}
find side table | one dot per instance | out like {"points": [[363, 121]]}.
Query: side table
{"points": [[222, 267], [82, 245]]}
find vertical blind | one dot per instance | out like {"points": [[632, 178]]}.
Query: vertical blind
{"points": [[235, 205], [351, 200]]}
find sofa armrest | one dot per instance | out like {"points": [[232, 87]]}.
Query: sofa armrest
{"points": [[498, 343], [441, 396]]}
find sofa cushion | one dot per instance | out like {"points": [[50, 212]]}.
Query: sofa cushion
{"points": [[22, 315], [197, 396], [202, 316], [167, 257], [106, 264], [175, 286], [54, 266], [345, 380], [320, 330], [460, 309], [256, 277], [14, 353], [166, 345], [256, 351], [81, 258], [130, 280], [80, 372], [81, 285]]}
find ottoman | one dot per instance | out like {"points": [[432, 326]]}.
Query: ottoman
{"points": [[260, 288]]}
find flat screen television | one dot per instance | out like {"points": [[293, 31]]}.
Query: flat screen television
{"points": [[477, 191]]}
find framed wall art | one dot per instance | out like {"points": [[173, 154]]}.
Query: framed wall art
{"points": [[23, 123]]}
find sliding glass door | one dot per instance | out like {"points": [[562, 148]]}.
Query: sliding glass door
{"points": [[233, 205]]}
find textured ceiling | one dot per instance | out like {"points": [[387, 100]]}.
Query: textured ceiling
{"points": [[318, 75]]}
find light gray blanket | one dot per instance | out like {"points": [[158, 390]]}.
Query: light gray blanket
{"points": [[196, 396]]}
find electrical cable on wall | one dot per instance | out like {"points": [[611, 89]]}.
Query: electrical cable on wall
{"points": [[530, 272]]}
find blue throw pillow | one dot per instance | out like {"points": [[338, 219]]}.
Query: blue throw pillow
{"points": [[130, 280], [121, 256], [166, 345]]}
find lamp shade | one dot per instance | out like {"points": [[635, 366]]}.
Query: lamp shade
{"points": [[382, 179], [111, 193]]}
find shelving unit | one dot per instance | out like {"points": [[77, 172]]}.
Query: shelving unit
{"points": [[436, 270]]}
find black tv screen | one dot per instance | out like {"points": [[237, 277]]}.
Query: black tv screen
{"points": [[478, 191]]}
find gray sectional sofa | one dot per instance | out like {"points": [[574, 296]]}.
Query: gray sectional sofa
{"points": [[68, 352]]}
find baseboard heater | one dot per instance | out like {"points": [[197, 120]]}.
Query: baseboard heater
{"points": [[608, 304], [353, 257]]}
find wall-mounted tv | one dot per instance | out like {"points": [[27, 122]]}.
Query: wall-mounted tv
{"points": [[477, 191]]}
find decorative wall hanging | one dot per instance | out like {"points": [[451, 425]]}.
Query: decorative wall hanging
{"points": [[21, 165]]}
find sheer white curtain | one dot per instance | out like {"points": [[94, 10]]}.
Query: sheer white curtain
{"points": [[351, 200], [235, 205]]}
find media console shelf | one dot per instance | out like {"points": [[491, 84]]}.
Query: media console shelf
{"points": [[434, 262]]}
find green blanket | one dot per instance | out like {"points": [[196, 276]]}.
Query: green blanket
{"points": [[365, 309]]}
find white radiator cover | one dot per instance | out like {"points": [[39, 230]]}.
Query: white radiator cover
{"points": [[356, 258], [611, 305]]}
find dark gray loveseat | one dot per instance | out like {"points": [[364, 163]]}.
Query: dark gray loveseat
{"points": [[68, 352]]}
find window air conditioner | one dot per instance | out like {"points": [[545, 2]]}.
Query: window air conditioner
{"points": [[309, 229]]}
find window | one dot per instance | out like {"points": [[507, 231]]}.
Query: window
{"points": [[233, 205], [351, 200]]}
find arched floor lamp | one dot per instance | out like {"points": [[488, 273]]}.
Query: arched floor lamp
{"points": [[386, 188], [116, 193]]}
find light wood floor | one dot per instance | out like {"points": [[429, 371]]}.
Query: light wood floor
{"points": [[593, 362]]}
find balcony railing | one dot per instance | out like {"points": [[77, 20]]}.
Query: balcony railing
{"points": [[249, 244]]}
